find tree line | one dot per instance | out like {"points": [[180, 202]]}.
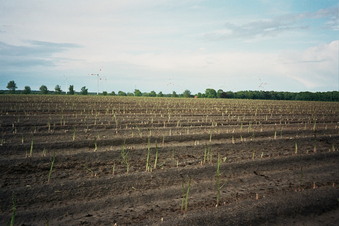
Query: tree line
{"points": [[209, 93]]}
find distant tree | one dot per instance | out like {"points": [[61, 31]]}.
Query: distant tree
{"points": [[230, 94], [186, 93], [160, 94], [104, 93], [122, 93], [130, 94], [27, 90], [11, 86], [57, 89], [71, 90], [43, 89], [210, 93], [200, 95], [221, 94], [174, 94], [152, 94], [113, 93], [84, 91], [137, 93]]}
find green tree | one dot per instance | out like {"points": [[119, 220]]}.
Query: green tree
{"points": [[84, 91], [11, 86], [174, 94], [122, 93], [43, 89], [220, 93], [200, 95], [160, 94], [137, 93], [113, 93], [152, 94], [186, 93], [58, 89], [210, 93], [104, 93], [71, 90], [27, 90]]}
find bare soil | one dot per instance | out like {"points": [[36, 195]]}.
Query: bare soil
{"points": [[278, 161]]}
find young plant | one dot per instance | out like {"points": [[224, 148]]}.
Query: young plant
{"points": [[156, 156], [74, 131], [208, 155], [125, 158], [148, 156], [218, 180], [185, 195], [90, 171], [13, 211], [205, 155], [31, 149], [95, 145], [51, 168], [113, 169]]}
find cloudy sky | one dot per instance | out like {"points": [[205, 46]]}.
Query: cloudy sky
{"points": [[170, 45]]}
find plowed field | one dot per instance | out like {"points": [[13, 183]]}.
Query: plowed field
{"points": [[89, 160]]}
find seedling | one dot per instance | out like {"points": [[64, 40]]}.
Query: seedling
{"points": [[31, 149], [95, 145], [73, 137], [13, 210], [208, 155], [90, 171], [125, 159], [218, 180], [44, 152], [51, 168], [156, 156], [148, 168], [185, 194]]}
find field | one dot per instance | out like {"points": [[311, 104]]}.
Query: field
{"points": [[90, 160]]}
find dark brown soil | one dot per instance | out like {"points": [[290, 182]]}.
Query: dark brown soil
{"points": [[279, 161]]}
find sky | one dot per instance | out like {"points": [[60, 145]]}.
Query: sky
{"points": [[170, 45]]}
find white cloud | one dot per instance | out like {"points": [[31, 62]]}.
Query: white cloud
{"points": [[315, 67], [273, 26]]}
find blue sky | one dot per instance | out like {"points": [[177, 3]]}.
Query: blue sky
{"points": [[171, 45]]}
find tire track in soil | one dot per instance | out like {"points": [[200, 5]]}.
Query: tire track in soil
{"points": [[70, 167], [148, 194]]}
